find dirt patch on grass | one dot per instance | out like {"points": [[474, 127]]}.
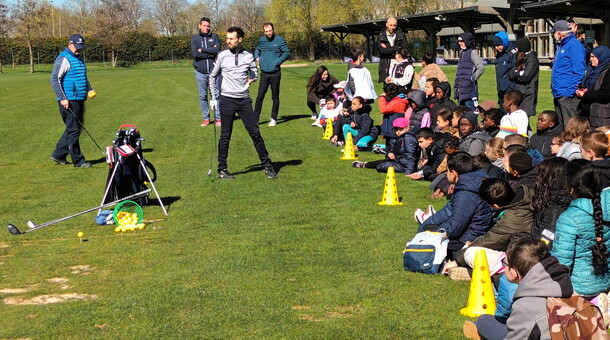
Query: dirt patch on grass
{"points": [[4, 245], [300, 307], [48, 299], [81, 269], [17, 290], [61, 281], [307, 317]]}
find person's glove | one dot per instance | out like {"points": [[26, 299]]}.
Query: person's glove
{"points": [[213, 104]]}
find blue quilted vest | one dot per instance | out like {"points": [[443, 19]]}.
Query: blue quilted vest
{"points": [[463, 76], [74, 82]]}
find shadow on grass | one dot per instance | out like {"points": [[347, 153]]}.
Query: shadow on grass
{"points": [[276, 165], [97, 161], [167, 201], [285, 119]]}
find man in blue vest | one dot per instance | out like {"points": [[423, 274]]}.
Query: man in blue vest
{"points": [[270, 53], [204, 47], [69, 81]]}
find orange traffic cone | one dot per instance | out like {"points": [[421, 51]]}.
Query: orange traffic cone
{"points": [[348, 152], [481, 298], [328, 132], [390, 193]]}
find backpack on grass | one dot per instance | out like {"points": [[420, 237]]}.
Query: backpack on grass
{"points": [[574, 318], [426, 252]]}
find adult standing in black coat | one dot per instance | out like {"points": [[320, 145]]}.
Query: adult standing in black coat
{"points": [[390, 40], [595, 88], [525, 75]]}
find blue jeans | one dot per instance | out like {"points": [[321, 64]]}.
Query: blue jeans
{"points": [[363, 142], [203, 82]]}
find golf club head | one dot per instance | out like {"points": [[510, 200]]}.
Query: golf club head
{"points": [[210, 172], [13, 230], [31, 225]]}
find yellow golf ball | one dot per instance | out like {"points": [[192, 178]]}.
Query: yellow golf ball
{"points": [[117, 229], [123, 229], [80, 234]]}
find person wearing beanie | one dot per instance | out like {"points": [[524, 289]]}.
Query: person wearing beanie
{"points": [[505, 62], [469, 69], [525, 74], [568, 70], [473, 139]]}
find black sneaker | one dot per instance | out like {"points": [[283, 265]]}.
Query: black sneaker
{"points": [[83, 165], [270, 172], [357, 164], [59, 161], [225, 174]]}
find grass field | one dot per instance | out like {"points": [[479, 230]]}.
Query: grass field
{"points": [[310, 255]]}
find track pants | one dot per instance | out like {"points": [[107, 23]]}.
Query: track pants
{"points": [[68, 142]]}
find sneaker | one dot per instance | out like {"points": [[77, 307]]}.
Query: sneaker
{"points": [[316, 123], [314, 117], [270, 172], [206, 122], [357, 164], [59, 161], [272, 122], [431, 211], [83, 165], [459, 274], [420, 216], [217, 122], [225, 174], [470, 331]]}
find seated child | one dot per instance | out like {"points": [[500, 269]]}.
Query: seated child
{"points": [[574, 129], [421, 116], [361, 127], [594, 147], [402, 153], [518, 165], [458, 112], [328, 114], [443, 121], [442, 99], [494, 150], [484, 165], [515, 120], [547, 127], [440, 185], [556, 144], [432, 154], [491, 121], [515, 139], [540, 276], [466, 216], [342, 119], [473, 140], [392, 105], [513, 215]]}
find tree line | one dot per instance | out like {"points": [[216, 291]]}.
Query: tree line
{"points": [[123, 32]]}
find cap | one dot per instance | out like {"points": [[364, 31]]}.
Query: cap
{"points": [[340, 85], [488, 104], [400, 123], [78, 41], [560, 26]]}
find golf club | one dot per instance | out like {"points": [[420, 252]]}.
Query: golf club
{"points": [[15, 231], [212, 153], [87, 131]]}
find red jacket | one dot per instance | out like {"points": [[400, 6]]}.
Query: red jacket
{"points": [[396, 105]]}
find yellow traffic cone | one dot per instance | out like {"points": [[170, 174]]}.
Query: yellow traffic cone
{"points": [[390, 193], [481, 298], [328, 132], [348, 151]]}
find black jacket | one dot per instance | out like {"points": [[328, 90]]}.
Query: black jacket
{"points": [[541, 140], [364, 123], [527, 83], [386, 54]]}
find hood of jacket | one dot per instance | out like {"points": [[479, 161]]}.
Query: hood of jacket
{"points": [[418, 97], [504, 37], [468, 39], [470, 181], [446, 87], [473, 119], [548, 278]]}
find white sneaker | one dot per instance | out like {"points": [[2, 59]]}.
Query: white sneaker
{"points": [[272, 122], [316, 123], [314, 117], [419, 216], [431, 211]]}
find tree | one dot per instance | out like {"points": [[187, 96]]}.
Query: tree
{"points": [[5, 29], [30, 16], [110, 25], [167, 14], [251, 15]]}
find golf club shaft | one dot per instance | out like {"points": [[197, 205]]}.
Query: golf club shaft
{"points": [[151, 183], [136, 195], [87, 131]]}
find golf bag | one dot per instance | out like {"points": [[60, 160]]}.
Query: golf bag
{"points": [[127, 166]]}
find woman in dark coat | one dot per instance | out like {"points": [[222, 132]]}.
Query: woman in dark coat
{"points": [[595, 88], [320, 86], [525, 76]]}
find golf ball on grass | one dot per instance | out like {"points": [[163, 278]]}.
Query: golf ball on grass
{"points": [[80, 234]]}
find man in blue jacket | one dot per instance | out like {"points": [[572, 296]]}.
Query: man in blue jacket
{"points": [[204, 47], [568, 70], [270, 53], [70, 83], [505, 63]]}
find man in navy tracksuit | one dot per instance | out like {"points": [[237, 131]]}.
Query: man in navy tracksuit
{"points": [[270, 53], [204, 48], [238, 70], [69, 81]]}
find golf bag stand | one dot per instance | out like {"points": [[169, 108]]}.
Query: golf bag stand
{"points": [[128, 174]]}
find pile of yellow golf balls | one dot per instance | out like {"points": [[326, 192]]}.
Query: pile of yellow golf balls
{"points": [[128, 222]]}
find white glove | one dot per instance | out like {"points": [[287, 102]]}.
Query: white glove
{"points": [[213, 104]]}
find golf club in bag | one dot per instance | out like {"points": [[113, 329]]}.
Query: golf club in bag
{"points": [[87, 131], [15, 231], [128, 170]]}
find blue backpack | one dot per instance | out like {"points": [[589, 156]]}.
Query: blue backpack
{"points": [[426, 252]]}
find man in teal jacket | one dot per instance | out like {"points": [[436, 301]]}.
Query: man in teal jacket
{"points": [[69, 81], [270, 53]]}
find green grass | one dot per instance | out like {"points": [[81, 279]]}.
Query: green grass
{"points": [[310, 255]]}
